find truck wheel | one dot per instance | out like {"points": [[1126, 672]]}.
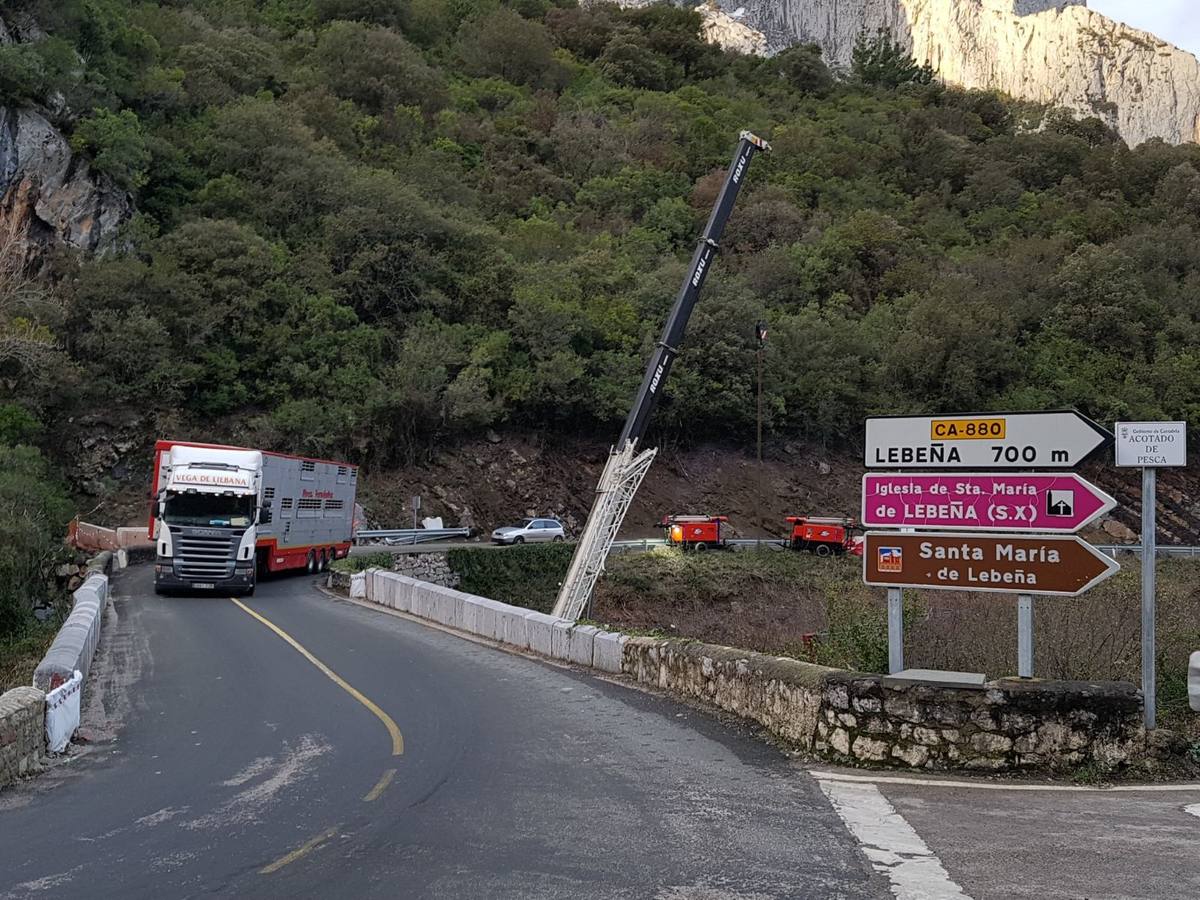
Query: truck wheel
{"points": [[310, 565], [824, 550], [322, 562], [700, 547]]}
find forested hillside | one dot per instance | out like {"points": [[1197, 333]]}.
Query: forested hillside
{"points": [[367, 226]]}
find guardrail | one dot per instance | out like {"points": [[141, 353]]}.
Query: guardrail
{"points": [[410, 535], [1136, 549]]}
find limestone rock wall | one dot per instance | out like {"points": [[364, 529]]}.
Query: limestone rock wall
{"points": [[46, 186], [1056, 52]]}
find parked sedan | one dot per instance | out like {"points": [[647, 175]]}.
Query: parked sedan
{"points": [[530, 530]]}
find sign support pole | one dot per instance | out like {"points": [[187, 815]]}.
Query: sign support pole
{"points": [[895, 630], [1149, 559], [1025, 635]]}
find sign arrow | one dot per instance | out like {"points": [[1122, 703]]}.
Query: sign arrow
{"points": [[993, 563], [1061, 439], [972, 501]]}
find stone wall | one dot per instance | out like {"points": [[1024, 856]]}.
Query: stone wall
{"points": [[22, 732], [1006, 725], [783, 695], [431, 567]]}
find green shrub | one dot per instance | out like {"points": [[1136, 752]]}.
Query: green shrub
{"points": [[34, 511], [527, 575]]}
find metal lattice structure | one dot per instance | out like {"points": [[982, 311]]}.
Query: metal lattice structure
{"points": [[623, 473]]}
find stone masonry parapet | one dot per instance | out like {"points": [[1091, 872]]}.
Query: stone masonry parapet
{"points": [[1006, 725], [22, 732]]}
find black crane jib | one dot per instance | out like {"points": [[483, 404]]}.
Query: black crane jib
{"points": [[668, 345]]}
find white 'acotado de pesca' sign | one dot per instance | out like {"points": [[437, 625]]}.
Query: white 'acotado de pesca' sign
{"points": [[1151, 444]]}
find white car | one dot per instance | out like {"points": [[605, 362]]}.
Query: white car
{"points": [[531, 531]]}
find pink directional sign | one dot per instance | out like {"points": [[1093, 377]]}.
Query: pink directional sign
{"points": [[982, 502]]}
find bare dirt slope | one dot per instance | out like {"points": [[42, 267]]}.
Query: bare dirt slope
{"points": [[485, 483]]}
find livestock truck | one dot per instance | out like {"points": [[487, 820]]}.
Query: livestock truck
{"points": [[221, 517]]}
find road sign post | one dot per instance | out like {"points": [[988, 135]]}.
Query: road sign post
{"points": [[1025, 636], [1150, 445], [895, 630], [1149, 628]]}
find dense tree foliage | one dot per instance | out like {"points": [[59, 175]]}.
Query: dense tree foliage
{"points": [[368, 224]]}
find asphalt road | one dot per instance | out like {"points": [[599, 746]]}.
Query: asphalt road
{"points": [[224, 762]]}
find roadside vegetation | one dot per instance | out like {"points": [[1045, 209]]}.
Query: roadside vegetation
{"points": [[368, 228], [34, 511]]}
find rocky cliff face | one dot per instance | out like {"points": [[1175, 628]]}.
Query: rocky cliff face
{"points": [[1057, 52], [49, 188]]}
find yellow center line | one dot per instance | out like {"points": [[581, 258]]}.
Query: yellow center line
{"points": [[303, 850], [380, 786], [388, 723]]}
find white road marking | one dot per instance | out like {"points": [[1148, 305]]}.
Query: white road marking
{"points": [[890, 843], [1001, 786], [1194, 810]]}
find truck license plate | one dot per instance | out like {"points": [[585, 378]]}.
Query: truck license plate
{"points": [[205, 585]]}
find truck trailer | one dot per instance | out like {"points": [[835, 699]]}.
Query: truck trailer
{"points": [[221, 517]]}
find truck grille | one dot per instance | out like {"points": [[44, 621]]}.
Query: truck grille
{"points": [[204, 558]]}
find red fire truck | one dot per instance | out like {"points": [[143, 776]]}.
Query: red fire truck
{"points": [[696, 532], [825, 536]]}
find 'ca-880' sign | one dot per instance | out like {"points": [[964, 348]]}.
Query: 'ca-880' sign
{"points": [[983, 441]]}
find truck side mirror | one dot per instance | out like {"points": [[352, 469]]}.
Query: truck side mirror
{"points": [[264, 515]]}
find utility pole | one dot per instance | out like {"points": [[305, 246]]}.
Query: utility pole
{"points": [[760, 332]]}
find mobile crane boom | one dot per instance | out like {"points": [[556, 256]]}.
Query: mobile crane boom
{"points": [[626, 465], [667, 348]]}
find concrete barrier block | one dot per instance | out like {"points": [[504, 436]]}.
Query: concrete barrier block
{"points": [[515, 630], [445, 606], [540, 629], [560, 640], [422, 601], [76, 642], [383, 586], [485, 619], [370, 584], [582, 643], [472, 614], [493, 618], [404, 594], [608, 651], [460, 608]]}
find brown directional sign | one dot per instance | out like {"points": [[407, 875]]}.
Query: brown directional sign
{"points": [[998, 563]]}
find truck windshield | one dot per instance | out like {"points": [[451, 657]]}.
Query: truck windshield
{"points": [[209, 510]]}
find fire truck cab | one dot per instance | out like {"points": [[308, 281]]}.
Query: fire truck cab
{"points": [[696, 532], [824, 536]]}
